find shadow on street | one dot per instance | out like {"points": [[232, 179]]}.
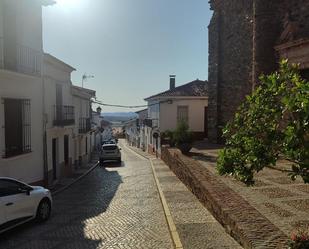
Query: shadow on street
{"points": [[76, 211]]}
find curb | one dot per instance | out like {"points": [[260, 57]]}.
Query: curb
{"points": [[167, 212], [169, 219], [230, 209], [54, 193]]}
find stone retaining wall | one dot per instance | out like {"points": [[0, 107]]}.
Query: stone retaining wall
{"points": [[248, 226]]}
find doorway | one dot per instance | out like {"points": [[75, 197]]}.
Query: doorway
{"points": [[66, 150], [54, 158]]}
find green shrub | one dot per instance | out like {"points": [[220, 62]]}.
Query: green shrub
{"points": [[273, 121], [182, 134]]}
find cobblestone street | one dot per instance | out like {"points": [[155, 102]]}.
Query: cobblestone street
{"points": [[113, 207]]}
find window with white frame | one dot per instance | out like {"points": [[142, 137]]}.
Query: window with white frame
{"points": [[183, 113], [17, 127]]}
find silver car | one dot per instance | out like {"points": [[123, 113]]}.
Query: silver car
{"points": [[110, 152]]}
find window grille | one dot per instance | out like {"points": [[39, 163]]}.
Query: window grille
{"points": [[17, 116]]}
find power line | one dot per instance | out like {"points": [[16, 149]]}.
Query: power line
{"points": [[128, 106]]}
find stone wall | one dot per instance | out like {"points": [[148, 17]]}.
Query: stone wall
{"points": [[297, 14], [267, 26], [242, 37], [230, 60]]}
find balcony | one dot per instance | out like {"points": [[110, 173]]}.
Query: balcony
{"points": [[63, 115], [19, 58], [84, 125]]}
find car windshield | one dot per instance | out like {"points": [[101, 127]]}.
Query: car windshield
{"points": [[110, 147]]}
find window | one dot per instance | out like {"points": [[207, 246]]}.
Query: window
{"points": [[8, 187], [183, 113], [110, 147], [17, 127]]}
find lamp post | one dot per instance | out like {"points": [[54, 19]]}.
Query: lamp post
{"points": [[85, 77]]}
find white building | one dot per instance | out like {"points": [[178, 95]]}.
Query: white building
{"points": [[186, 102], [82, 132], [59, 118], [21, 119], [96, 139], [132, 132], [141, 128], [44, 120]]}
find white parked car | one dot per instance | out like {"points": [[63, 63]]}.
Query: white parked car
{"points": [[110, 152], [20, 202]]}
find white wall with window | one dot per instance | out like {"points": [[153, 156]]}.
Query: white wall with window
{"points": [[166, 112], [59, 118], [191, 109], [21, 29], [21, 127], [82, 131]]}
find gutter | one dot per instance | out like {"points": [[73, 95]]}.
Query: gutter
{"points": [[45, 164]]}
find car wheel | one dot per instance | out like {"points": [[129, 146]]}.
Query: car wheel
{"points": [[44, 210]]}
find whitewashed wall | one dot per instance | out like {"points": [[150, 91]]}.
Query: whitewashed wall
{"points": [[168, 114], [27, 167]]}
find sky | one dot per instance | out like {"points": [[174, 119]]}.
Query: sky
{"points": [[129, 46]]}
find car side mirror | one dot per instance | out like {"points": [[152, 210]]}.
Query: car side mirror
{"points": [[25, 191], [120, 149]]}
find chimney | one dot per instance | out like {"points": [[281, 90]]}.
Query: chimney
{"points": [[172, 82]]}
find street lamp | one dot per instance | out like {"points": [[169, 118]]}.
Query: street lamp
{"points": [[85, 77], [99, 109]]}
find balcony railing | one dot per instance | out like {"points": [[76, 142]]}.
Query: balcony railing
{"points": [[1, 53], [20, 59], [63, 115], [29, 61], [84, 125]]}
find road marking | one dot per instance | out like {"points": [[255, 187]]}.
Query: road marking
{"points": [[168, 216], [167, 213]]}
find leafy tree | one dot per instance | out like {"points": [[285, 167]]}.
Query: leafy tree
{"points": [[273, 121]]}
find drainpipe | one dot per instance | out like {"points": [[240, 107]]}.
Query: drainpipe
{"points": [[45, 164]]}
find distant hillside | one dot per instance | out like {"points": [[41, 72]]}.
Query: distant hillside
{"points": [[118, 116]]}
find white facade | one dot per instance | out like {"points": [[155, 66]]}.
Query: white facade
{"points": [[196, 111], [83, 131], [132, 133], [21, 89], [59, 119], [96, 138], [38, 143], [164, 115]]}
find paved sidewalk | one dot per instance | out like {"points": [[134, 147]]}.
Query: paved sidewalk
{"points": [[197, 228], [283, 201], [78, 173]]}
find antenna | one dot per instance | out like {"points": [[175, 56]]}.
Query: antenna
{"points": [[85, 77]]}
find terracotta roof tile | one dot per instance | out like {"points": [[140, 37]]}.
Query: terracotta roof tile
{"points": [[196, 88]]}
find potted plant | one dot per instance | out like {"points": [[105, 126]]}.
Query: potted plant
{"points": [[299, 239], [168, 138], [183, 137]]}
